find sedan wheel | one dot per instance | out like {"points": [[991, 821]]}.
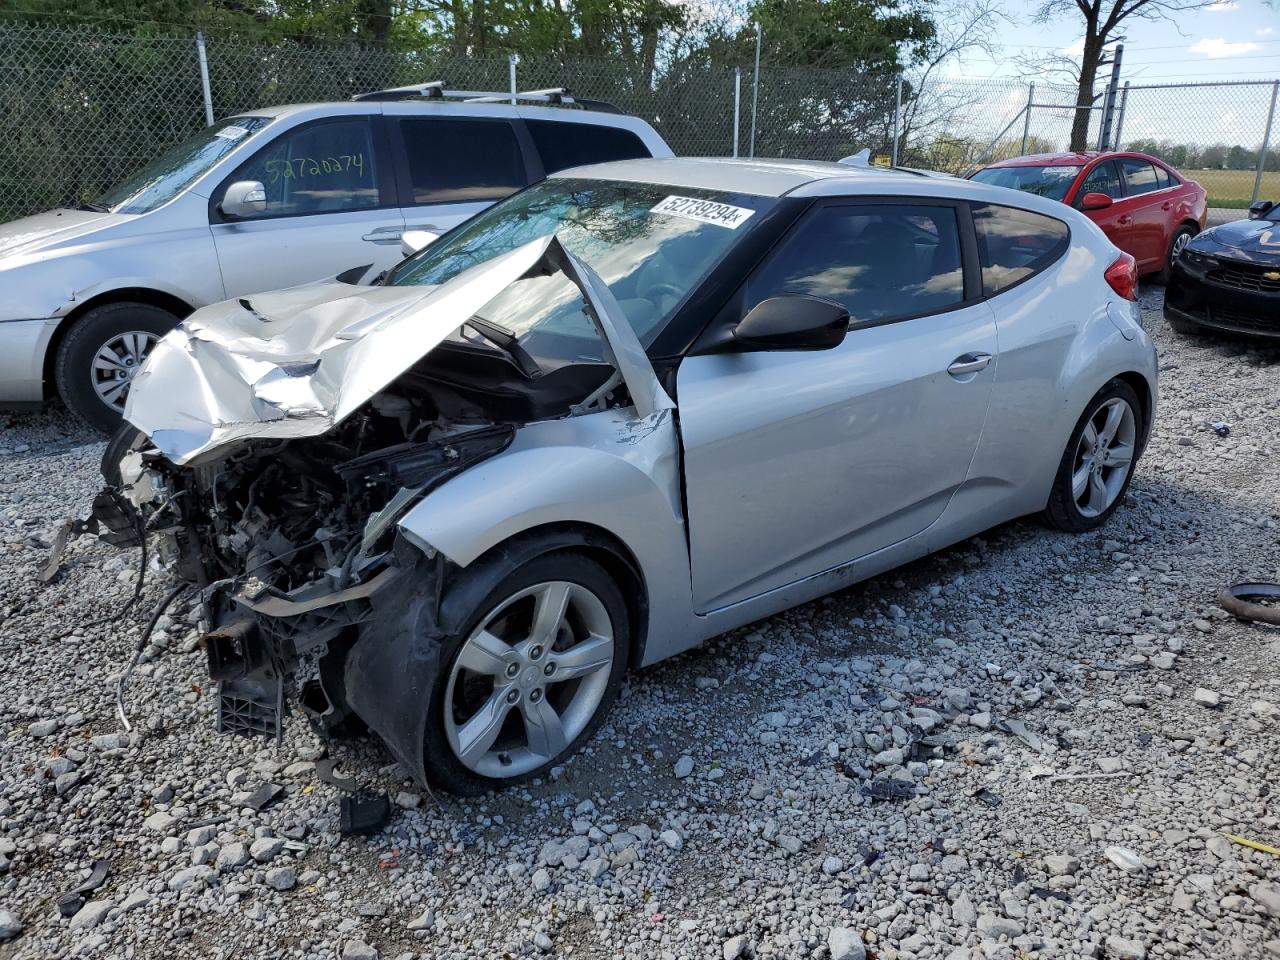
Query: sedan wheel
{"points": [[1104, 457], [531, 677], [116, 363]]}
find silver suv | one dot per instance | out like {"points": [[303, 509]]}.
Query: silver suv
{"points": [[268, 199]]}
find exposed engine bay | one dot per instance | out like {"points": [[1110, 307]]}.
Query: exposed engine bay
{"points": [[292, 542]]}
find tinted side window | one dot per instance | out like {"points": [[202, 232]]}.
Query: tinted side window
{"points": [[879, 261], [1163, 177], [1015, 244], [1103, 179], [456, 160], [563, 144], [322, 168], [1140, 176]]}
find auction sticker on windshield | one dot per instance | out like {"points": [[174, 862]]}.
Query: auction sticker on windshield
{"points": [[231, 133], [704, 211]]}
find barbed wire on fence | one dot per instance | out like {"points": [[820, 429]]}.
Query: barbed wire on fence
{"points": [[82, 109]]}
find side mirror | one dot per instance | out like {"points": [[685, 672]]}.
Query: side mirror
{"points": [[1259, 209], [411, 241], [1095, 201], [244, 198], [791, 322]]}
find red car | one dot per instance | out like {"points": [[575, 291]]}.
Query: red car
{"points": [[1143, 205]]}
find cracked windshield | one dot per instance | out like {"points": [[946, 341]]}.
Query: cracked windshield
{"points": [[650, 244]]}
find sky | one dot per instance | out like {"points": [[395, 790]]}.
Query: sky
{"points": [[1230, 40]]}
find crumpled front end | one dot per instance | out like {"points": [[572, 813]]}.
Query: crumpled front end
{"points": [[281, 440]]}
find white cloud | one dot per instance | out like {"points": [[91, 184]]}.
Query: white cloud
{"points": [[1266, 31], [1215, 48], [1221, 5], [1075, 50]]}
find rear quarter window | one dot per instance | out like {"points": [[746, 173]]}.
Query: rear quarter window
{"points": [[563, 144], [1014, 244]]}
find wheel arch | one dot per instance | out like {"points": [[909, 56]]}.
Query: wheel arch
{"points": [[594, 542], [1146, 397], [147, 295]]}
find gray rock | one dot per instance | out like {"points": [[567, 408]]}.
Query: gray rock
{"points": [[195, 877], [358, 950], [42, 728], [159, 822], [996, 926], [423, 921], [963, 912], [282, 878], [231, 856], [1123, 949], [683, 767], [10, 926], [1061, 865], [266, 849], [91, 914], [1207, 698], [1267, 896], [541, 880], [671, 839], [845, 944], [735, 947]]}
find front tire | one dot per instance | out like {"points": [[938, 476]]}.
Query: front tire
{"points": [[99, 357], [1177, 243], [1097, 465], [530, 678]]}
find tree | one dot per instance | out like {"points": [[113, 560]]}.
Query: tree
{"points": [[1102, 21]]}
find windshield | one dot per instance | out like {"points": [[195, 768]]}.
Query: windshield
{"points": [[1052, 182], [174, 170], [652, 245]]}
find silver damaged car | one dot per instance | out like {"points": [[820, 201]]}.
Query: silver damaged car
{"points": [[620, 412]]}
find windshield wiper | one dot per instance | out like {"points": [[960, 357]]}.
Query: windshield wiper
{"points": [[93, 207], [507, 340]]}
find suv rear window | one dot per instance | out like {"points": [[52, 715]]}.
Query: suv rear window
{"points": [[564, 144], [461, 159], [1015, 244]]}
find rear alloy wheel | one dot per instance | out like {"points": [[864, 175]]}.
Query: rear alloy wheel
{"points": [[101, 355], [1098, 463], [532, 678]]}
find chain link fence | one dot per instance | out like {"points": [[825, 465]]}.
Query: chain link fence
{"points": [[81, 110]]}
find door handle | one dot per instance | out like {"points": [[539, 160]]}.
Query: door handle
{"points": [[384, 235], [969, 363], [1167, 205]]}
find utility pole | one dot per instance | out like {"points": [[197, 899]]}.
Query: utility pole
{"points": [[1109, 103]]}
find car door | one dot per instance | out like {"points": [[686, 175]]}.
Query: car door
{"points": [[1143, 216], [798, 462], [329, 207], [452, 165], [1104, 178]]}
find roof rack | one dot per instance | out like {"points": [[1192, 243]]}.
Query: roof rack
{"points": [[436, 90]]}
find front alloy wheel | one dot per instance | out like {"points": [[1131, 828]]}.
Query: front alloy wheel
{"points": [[533, 676]]}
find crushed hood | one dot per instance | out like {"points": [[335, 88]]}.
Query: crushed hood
{"points": [[297, 362]]}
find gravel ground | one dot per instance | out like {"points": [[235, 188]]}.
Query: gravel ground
{"points": [[1076, 723]]}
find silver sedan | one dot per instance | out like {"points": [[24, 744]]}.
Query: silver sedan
{"points": [[625, 410]]}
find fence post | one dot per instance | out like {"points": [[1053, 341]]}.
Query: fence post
{"points": [[204, 78], [1124, 103], [755, 96], [1266, 142], [897, 122], [1109, 102], [1026, 119], [737, 105], [511, 70]]}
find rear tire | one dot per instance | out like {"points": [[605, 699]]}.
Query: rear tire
{"points": [[96, 360], [479, 686], [1176, 244], [1098, 458]]}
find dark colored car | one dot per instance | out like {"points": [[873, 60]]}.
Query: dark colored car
{"points": [[1144, 206], [1228, 278]]}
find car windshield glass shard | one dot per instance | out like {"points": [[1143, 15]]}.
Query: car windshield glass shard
{"points": [[650, 260], [1052, 182], [177, 168]]}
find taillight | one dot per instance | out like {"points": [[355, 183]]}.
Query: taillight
{"points": [[1123, 277]]}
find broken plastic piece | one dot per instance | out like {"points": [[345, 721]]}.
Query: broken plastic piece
{"points": [[325, 774], [264, 795], [1221, 428], [1253, 844], [363, 814], [888, 788], [989, 797], [69, 903]]}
